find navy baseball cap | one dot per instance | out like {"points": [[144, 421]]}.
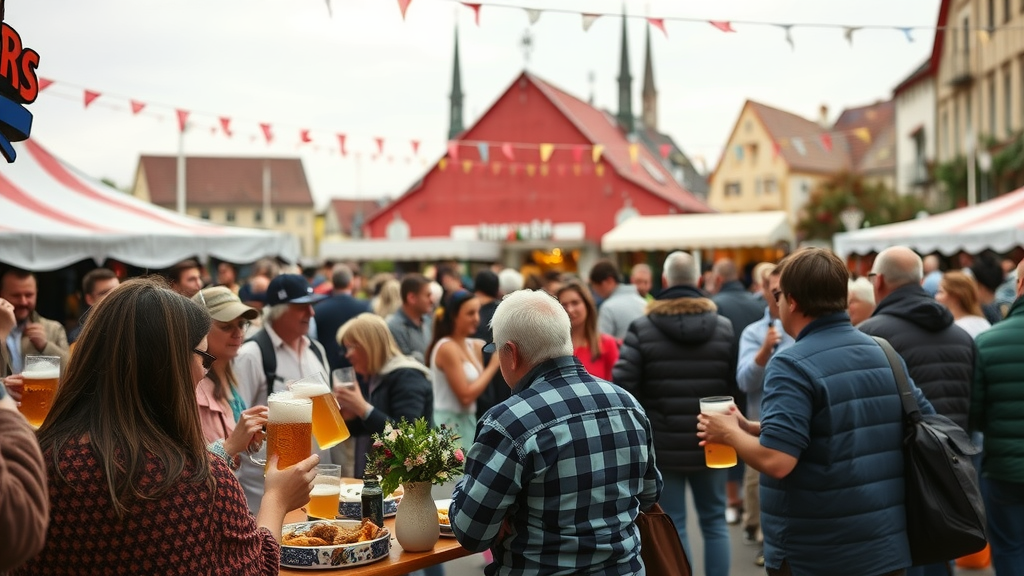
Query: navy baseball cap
{"points": [[291, 289]]}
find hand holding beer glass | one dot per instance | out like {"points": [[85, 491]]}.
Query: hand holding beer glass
{"points": [[40, 378], [718, 455], [329, 427], [326, 493], [289, 430]]}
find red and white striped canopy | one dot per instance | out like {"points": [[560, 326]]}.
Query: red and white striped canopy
{"points": [[997, 225], [52, 215]]}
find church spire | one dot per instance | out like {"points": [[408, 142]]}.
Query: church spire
{"points": [[649, 96], [455, 126], [625, 115]]}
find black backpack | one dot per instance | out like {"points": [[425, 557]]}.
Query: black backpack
{"points": [[262, 339]]}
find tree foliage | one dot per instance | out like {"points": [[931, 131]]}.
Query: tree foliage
{"points": [[820, 218]]}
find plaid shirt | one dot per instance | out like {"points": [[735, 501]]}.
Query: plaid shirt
{"points": [[566, 463]]}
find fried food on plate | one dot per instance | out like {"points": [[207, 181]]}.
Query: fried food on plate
{"points": [[329, 534]]}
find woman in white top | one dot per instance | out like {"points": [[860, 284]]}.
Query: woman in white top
{"points": [[959, 293], [456, 364]]}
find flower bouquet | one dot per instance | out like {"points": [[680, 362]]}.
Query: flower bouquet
{"points": [[414, 452]]}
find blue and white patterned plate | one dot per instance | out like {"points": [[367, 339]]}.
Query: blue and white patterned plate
{"points": [[340, 556]]}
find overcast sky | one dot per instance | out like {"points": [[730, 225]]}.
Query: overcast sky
{"points": [[367, 73]]}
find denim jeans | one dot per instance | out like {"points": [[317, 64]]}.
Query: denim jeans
{"points": [[1004, 507], [708, 488]]}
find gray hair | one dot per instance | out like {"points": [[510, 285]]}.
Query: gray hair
{"points": [[509, 280], [341, 276], [536, 323], [680, 269], [899, 265], [862, 290], [272, 313]]}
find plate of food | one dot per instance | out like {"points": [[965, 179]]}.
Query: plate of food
{"points": [[442, 517], [333, 544], [351, 501]]}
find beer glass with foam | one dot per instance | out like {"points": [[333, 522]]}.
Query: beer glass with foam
{"points": [[289, 430], [328, 426], [40, 376], [326, 493], [718, 455]]}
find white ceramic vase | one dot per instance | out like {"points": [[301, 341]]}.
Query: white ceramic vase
{"points": [[416, 525]]}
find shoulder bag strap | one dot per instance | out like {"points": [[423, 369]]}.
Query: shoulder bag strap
{"points": [[902, 384]]}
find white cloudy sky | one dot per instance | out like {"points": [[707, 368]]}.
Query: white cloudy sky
{"points": [[367, 73]]}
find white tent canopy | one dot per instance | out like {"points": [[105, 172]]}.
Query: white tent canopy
{"points": [[699, 231], [52, 215], [997, 225], [418, 249]]}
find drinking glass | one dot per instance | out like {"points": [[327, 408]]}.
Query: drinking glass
{"points": [[344, 377], [328, 426], [326, 493], [718, 455], [40, 376], [289, 430]]}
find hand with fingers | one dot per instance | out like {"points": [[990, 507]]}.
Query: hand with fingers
{"points": [[249, 427]]}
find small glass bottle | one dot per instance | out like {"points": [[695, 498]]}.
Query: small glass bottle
{"points": [[373, 499]]}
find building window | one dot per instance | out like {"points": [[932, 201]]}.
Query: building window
{"points": [[1006, 11], [257, 216], [300, 219], [770, 186], [967, 38], [753, 154], [748, 126], [957, 141], [1008, 100], [991, 16], [992, 105], [204, 214], [732, 189], [229, 216], [279, 216], [758, 186]]}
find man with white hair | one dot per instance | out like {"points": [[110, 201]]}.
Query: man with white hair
{"points": [[678, 353], [560, 470], [860, 303], [509, 280]]}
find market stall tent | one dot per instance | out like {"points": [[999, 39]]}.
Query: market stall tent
{"points": [[52, 215], [997, 225], [699, 231]]}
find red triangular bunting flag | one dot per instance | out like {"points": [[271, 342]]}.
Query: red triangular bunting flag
{"points": [[182, 119], [403, 5], [267, 134], [476, 11], [506, 150], [341, 144], [90, 96], [137, 106], [380, 144], [225, 124], [665, 149], [722, 25], [304, 136], [658, 23], [44, 83], [826, 142], [453, 151], [415, 147]]}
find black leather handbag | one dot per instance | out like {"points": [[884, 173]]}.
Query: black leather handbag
{"points": [[945, 512]]}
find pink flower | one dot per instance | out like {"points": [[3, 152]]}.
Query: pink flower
{"points": [[459, 456]]}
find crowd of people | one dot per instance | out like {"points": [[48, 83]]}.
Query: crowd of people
{"points": [[576, 402]]}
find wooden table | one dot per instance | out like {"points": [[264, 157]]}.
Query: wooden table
{"points": [[398, 563]]}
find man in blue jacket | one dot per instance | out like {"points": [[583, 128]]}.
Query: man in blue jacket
{"points": [[829, 443]]}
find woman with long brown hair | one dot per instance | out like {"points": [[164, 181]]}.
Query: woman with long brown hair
{"points": [[597, 352], [959, 293], [132, 486]]}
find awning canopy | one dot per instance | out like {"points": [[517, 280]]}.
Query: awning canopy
{"points": [[699, 231], [412, 250], [997, 225], [52, 215]]}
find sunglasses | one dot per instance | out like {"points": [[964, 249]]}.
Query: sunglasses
{"points": [[208, 359]]}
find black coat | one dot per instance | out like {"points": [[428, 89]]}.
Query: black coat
{"points": [[404, 392], [330, 314], [938, 353], [678, 353]]}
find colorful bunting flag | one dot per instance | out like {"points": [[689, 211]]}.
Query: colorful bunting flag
{"points": [[225, 125], [543, 169], [467, 165], [267, 134], [722, 25], [453, 151], [533, 15], [788, 28], [137, 106], [90, 96], [476, 11], [442, 164], [380, 144], [44, 83], [599, 170], [545, 151], [182, 119], [496, 168], [595, 154], [577, 153], [341, 145], [403, 5], [665, 150], [906, 32], [634, 153], [776, 150], [826, 142], [658, 23], [506, 150], [304, 136], [530, 169], [485, 152], [588, 21], [848, 33], [863, 133]]}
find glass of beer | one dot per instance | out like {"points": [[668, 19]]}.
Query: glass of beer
{"points": [[40, 377], [326, 493], [328, 426], [718, 455], [289, 430], [343, 378]]}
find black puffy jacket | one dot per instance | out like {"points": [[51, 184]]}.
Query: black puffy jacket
{"points": [[678, 353], [939, 354]]}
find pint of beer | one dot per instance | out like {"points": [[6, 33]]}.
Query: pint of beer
{"points": [[40, 376], [326, 493], [289, 427], [718, 455], [328, 425]]}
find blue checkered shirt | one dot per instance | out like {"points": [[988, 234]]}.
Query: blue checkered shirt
{"points": [[566, 464]]}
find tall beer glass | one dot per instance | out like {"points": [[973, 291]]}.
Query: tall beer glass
{"points": [[40, 376], [326, 493], [328, 426], [718, 455], [289, 429]]}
